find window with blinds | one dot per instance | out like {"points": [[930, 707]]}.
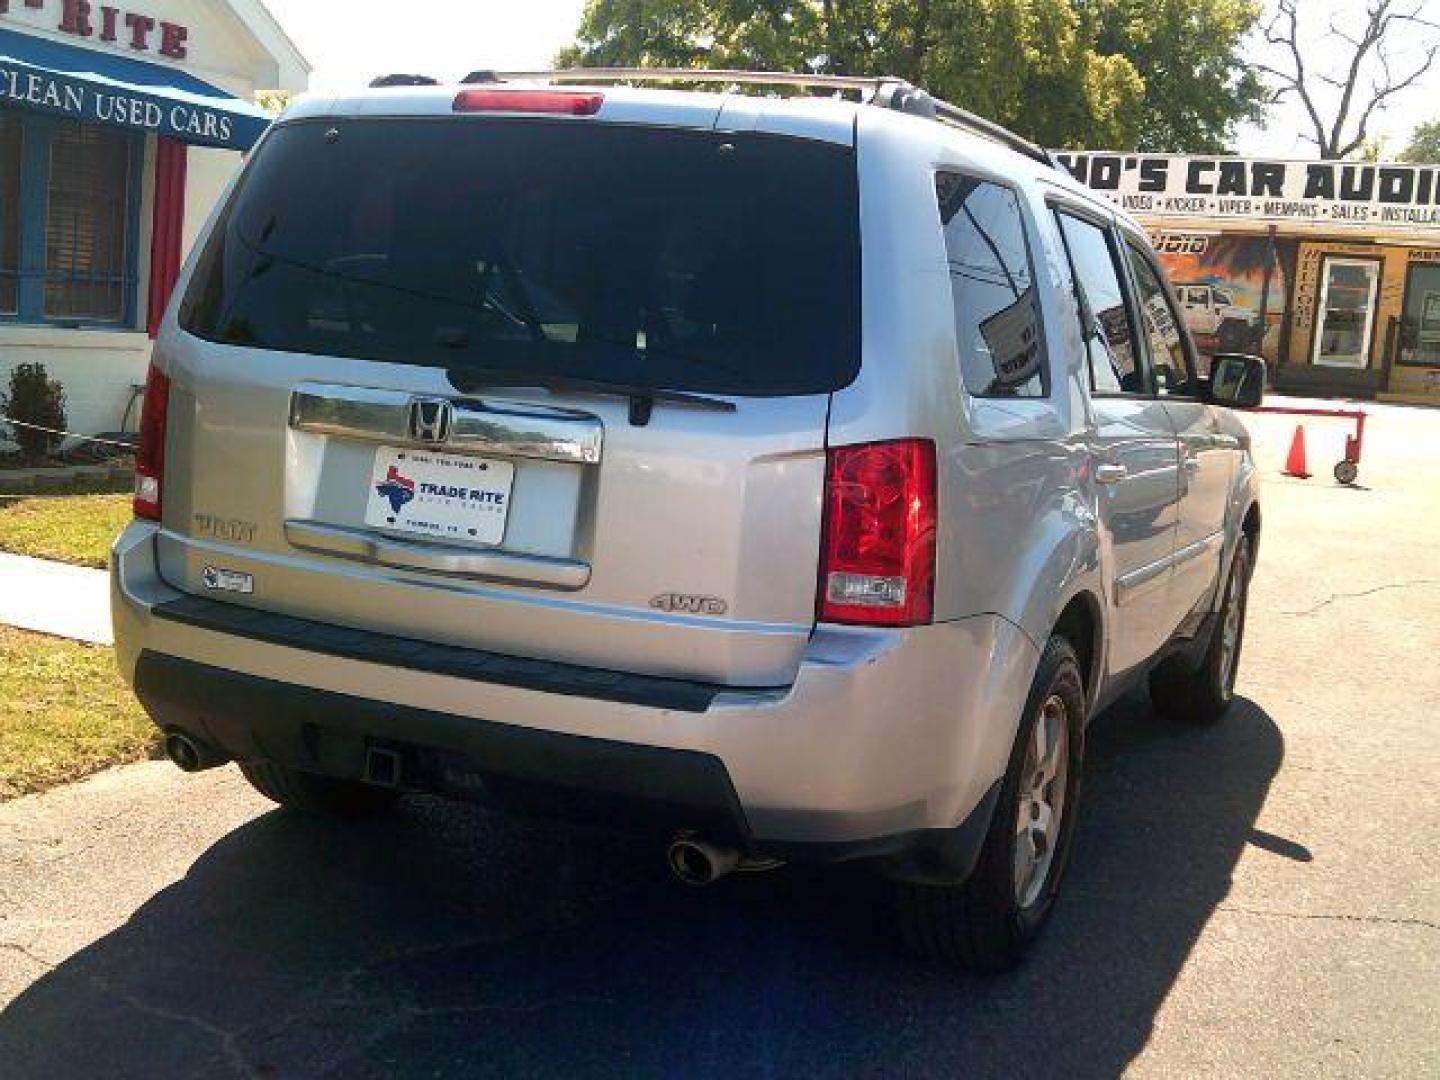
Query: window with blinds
{"points": [[86, 222], [10, 135]]}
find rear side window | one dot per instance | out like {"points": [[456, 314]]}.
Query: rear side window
{"points": [[689, 260], [1109, 338], [997, 315]]}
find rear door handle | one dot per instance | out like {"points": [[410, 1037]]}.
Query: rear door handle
{"points": [[1111, 474]]}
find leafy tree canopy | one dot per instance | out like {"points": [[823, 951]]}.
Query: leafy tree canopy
{"points": [[1120, 74], [1424, 144]]}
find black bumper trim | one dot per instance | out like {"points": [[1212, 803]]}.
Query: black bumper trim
{"points": [[251, 718], [551, 677]]}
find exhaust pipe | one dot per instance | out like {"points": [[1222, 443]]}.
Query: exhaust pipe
{"points": [[191, 755], [698, 863]]}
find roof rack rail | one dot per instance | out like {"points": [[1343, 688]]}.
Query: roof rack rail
{"points": [[884, 91], [403, 80]]}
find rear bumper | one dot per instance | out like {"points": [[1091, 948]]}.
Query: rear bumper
{"points": [[888, 743]]}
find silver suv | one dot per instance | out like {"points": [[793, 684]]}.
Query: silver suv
{"points": [[797, 475]]}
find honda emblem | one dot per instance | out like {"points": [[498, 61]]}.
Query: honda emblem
{"points": [[430, 420]]}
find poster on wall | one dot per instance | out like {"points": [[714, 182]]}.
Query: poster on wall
{"points": [[1232, 289]]}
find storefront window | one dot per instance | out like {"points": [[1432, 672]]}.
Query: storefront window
{"points": [[85, 223], [69, 195], [9, 211], [1420, 321]]}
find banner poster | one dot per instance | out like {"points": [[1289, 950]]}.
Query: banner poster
{"points": [[1232, 289]]}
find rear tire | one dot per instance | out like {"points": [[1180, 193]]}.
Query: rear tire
{"points": [[310, 793], [986, 923], [1203, 695]]}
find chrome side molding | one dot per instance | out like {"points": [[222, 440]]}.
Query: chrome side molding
{"points": [[477, 427]]}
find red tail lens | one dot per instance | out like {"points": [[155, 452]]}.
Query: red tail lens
{"points": [[878, 553], [150, 453], [559, 102]]}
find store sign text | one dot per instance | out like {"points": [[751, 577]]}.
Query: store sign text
{"points": [[1329, 192], [105, 22], [52, 93]]}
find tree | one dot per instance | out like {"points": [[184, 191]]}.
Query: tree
{"points": [[1424, 144], [1374, 74], [1030, 64], [274, 101], [1187, 51], [1066, 73]]}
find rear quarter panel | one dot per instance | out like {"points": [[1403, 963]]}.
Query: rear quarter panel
{"points": [[1017, 533]]}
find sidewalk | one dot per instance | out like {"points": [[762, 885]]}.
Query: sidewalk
{"points": [[55, 598]]}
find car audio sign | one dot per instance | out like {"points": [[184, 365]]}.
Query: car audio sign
{"points": [[1325, 194]]}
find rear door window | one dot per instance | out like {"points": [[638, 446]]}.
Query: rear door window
{"points": [[689, 260], [997, 314], [1115, 362]]}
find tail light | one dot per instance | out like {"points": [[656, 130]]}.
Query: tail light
{"points": [[878, 552], [559, 102], [150, 453]]}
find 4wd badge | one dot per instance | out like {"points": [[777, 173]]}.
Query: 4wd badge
{"points": [[689, 605]]}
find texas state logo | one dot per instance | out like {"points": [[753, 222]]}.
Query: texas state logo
{"points": [[396, 487]]}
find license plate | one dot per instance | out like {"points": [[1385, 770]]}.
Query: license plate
{"points": [[442, 496]]}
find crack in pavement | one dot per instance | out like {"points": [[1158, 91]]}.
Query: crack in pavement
{"points": [[1374, 920], [343, 988], [1363, 592], [227, 1039], [16, 947]]}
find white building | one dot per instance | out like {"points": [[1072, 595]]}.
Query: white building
{"points": [[120, 125]]}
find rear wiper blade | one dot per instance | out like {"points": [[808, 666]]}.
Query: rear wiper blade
{"points": [[642, 398]]}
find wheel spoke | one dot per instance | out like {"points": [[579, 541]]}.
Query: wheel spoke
{"points": [[1026, 858], [1040, 740], [1052, 720]]}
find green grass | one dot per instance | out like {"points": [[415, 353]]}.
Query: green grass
{"points": [[64, 713], [70, 528]]}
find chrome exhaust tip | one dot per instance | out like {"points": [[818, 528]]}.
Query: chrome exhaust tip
{"points": [[698, 863], [189, 754]]}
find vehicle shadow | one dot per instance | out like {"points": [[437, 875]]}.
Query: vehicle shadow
{"points": [[445, 941]]}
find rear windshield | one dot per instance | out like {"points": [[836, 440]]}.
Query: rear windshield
{"points": [[687, 260]]}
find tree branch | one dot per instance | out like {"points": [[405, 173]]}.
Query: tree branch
{"points": [[1385, 22]]}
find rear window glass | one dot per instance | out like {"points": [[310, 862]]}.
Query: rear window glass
{"points": [[720, 262], [997, 315]]}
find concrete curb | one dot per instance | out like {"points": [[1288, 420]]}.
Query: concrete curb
{"points": [[38, 480]]}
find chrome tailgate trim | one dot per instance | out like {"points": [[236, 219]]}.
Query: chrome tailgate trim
{"points": [[383, 416]]}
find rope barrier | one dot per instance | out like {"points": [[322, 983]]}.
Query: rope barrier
{"points": [[68, 434]]}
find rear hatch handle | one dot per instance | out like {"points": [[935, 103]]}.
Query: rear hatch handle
{"points": [[641, 398]]}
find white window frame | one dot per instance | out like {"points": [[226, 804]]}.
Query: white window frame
{"points": [[1371, 267]]}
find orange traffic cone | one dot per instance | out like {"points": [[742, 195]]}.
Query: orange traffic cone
{"points": [[1295, 462]]}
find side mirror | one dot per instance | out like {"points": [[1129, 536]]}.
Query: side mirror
{"points": [[1237, 380]]}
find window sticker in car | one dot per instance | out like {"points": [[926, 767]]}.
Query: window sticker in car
{"points": [[1160, 322], [1013, 340]]}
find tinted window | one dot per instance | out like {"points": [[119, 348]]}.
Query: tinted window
{"points": [[690, 260], [997, 316], [1109, 339], [1162, 326]]}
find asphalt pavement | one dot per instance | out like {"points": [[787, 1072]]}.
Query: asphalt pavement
{"points": [[1256, 899]]}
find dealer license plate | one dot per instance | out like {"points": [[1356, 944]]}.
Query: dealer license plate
{"points": [[442, 496]]}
